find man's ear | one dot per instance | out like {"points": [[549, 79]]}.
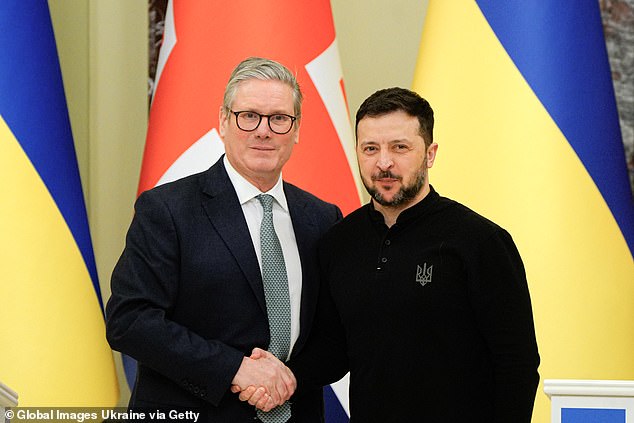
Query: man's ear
{"points": [[296, 129], [431, 154], [223, 120]]}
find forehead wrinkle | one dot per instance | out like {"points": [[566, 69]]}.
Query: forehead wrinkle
{"points": [[264, 97]]}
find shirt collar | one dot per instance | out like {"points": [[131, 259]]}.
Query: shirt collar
{"points": [[422, 207], [246, 191]]}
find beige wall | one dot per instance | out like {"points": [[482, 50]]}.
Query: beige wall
{"points": [[378, 43], [103, 52], [102, 46]]}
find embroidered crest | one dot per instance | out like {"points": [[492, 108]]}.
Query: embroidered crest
{"points": [[423, 274]]}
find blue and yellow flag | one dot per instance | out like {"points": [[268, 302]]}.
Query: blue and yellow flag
{"points": [[53, 350], [529, 136]]}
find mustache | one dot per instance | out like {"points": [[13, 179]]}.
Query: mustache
{"points": [[385, 174]]}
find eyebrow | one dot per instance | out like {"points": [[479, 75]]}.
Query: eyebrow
{"points": [[396, 141], [245, 108]]}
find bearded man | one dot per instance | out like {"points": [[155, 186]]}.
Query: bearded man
{"points": [[422, 300]]}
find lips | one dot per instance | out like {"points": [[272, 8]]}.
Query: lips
{"points": [[262, 147]]}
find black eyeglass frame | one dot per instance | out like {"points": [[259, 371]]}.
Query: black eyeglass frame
{"points": [[268, 120]]}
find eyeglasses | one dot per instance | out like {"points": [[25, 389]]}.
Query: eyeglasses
{"points": [[279, 123]]}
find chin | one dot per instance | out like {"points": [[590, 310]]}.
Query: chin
{"points": [[264, 164], [387, 196]]}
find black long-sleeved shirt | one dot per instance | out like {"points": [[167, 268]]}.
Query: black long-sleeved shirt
{"points": [[432, 317]]}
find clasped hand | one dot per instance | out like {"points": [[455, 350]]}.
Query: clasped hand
{"points": [[263, 380]]}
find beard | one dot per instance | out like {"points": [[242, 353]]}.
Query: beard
{"points": [[405, 194]]}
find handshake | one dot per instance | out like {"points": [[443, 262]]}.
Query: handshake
{"points": [[264, 381]]}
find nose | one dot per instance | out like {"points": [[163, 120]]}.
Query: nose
{"points": [[263, 130], [385, 161]]}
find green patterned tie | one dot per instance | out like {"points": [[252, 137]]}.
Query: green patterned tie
{"points": [[278, 303]]}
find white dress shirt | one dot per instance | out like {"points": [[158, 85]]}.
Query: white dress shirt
{"points": [[253, 214]]}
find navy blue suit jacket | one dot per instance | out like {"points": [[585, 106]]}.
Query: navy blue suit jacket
{"points": [[187, 296]]}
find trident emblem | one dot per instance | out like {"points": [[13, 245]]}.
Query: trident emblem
{"points": [[423, 274]]}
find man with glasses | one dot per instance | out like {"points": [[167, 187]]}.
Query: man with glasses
{"points": [[224, 261]]}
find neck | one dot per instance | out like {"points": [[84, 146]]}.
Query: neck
{"points": [[391, 213], [264, 185], [263, 181]]}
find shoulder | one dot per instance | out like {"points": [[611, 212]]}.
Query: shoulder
{"points": [[350, 226], [473, 232], [174, 191], [213, 181], [453, 213], [315, 205], [174, 198]]}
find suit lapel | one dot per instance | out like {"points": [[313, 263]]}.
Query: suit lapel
{"points": [[225, 214], [306, 234], [221, 204]]}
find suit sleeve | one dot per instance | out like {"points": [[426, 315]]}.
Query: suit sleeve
{"points": [[502, 305], [145, 285]]}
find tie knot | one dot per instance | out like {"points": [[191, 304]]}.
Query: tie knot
{"points": [[267, 202]]}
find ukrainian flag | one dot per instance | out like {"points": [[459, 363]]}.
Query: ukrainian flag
{"points": [[529, 136], [53, 350]]}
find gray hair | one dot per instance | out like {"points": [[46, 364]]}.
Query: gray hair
{"points": [[264, 69]]}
